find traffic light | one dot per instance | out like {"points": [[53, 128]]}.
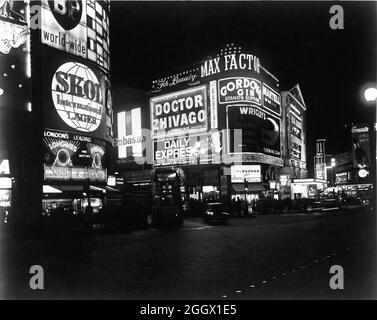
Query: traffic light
{"points": [[246, 184]]}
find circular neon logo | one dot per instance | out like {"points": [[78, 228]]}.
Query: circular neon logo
{"points": [[67, 13], [77, 96]]}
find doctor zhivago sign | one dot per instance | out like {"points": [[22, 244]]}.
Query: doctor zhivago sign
{"points": [[180, 112]]}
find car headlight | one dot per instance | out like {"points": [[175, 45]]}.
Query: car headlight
{"points": [[210, 213]]}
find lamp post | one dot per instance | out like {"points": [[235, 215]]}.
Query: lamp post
{"points": [[198, 152], [333, 164], [370, 96], [246, 189]]}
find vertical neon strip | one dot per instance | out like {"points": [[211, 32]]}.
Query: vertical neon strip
{"points": [[121, 119], [136, 131], [28, 50]]}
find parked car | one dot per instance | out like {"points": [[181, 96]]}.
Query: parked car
{"points": [[215, 211]]}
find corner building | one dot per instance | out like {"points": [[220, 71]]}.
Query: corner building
{"points": [[223, 123], [63, 122]]}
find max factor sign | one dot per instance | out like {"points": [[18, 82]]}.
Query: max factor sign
{"points": [[230, 62], [77, 96]]}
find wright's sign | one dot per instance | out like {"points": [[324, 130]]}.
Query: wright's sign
{"points": [[179, 113]]}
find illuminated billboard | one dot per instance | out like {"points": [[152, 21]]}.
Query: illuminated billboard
{"points": [[5, 198], [130, 138], [53, 173], [187, 149], [14, 54], [296, 131], [271, 99], [361, 147], [260, 130], [77, 98], [240, 89], [250, 173], [78, 27], [320, 171], [65, 149], [179, 112], [14, 31], [70, 156]]}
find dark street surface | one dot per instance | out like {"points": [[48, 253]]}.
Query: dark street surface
{"points": [[264, 257]]}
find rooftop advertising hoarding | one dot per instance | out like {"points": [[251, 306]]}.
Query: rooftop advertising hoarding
{"points": [[179, 113], [77, 98], [78, 27]]}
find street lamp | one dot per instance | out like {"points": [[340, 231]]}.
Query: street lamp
{"points": [[333, 164], [370, 94], [246, 185], [198, 152]]}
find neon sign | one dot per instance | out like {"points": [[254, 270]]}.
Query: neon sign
{"points": [[181, 112], [77, 96], [4, 167]]}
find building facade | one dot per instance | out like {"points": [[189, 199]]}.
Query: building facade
{"points": [[68, 128], [224, 125]]}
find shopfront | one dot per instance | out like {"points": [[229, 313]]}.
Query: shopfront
{"points": [[307, 188]]}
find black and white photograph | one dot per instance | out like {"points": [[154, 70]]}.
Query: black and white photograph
{"points": [[188, 155]]}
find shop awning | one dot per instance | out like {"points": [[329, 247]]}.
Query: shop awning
{"points": [[240, 188], [70, 188], [95, 188], [111, 189], [51, 189]]}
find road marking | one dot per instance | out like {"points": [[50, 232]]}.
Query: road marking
{"points": [[239, 291], [224, 296], [264, 281], [201, 228], [252, 286]]}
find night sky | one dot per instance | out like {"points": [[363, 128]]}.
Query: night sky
{"points": [[293, 40]]}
